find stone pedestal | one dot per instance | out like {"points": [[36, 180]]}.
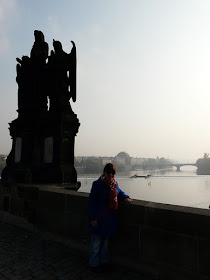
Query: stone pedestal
{"points": [[43, 150]]}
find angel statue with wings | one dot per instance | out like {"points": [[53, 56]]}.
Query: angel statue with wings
{"points": [[62, 77]]}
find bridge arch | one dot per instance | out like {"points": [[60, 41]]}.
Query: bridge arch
{"points": [[178, 166]]}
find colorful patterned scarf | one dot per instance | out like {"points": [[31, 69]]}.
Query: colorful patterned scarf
{"points": [[112, 201]]}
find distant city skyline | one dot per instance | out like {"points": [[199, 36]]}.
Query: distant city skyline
{"points": [[113, 156], [143, 74]]}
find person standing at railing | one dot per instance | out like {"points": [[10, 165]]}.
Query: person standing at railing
{"points": [[102, 214]]}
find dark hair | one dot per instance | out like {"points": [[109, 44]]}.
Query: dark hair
{"points": [[109, 168]]}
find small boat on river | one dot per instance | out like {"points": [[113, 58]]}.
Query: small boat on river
{"points": [[141, 176]]}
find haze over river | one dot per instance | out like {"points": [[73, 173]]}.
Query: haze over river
{"points": [[184, 188]]}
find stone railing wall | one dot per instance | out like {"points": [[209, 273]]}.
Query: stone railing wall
{"points": [[170, 242]]}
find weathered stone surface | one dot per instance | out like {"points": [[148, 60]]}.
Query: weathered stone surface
{"points": [[169, 248], [134, 213], [203, 256], [75, 225], [130, 248], [178, 218]]}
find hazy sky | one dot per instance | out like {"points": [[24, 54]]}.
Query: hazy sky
{"points": [[143, 74]]}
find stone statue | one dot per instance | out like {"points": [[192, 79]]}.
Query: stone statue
{"points": [[25, 102], [39, 51], [62, 77], [43, 139], [39, 54], [32, 78], [38, 80]]}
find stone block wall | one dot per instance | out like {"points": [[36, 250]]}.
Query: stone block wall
{"points": [[171, 242], [62, 211]]}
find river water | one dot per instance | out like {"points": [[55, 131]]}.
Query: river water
{"points": [[184, 188]]}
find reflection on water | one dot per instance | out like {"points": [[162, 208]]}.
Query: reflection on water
{"points": [[164, 186]]}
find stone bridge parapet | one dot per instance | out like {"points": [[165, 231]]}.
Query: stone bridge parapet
{"points": [[172, 241]]}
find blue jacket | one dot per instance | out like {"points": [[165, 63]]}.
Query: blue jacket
{"points": [[98, 210]]}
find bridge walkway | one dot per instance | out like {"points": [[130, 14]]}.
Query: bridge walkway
{"points": [[28, 255]]}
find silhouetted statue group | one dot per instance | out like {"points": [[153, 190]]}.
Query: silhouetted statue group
{"points": [[41, 76], [43, 134]]}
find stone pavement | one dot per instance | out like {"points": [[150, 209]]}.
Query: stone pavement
{"points": [[27, 255]]}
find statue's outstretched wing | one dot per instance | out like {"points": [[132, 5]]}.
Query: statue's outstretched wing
{"points": [[73, 71]]}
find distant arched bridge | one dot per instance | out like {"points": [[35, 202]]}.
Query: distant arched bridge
{"points": [[159, 166], [178, 166]]}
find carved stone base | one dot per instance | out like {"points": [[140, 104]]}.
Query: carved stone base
{"points": [[42, 149]]}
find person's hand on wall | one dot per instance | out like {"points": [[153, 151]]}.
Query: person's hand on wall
{"points": [[128, 200]]}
